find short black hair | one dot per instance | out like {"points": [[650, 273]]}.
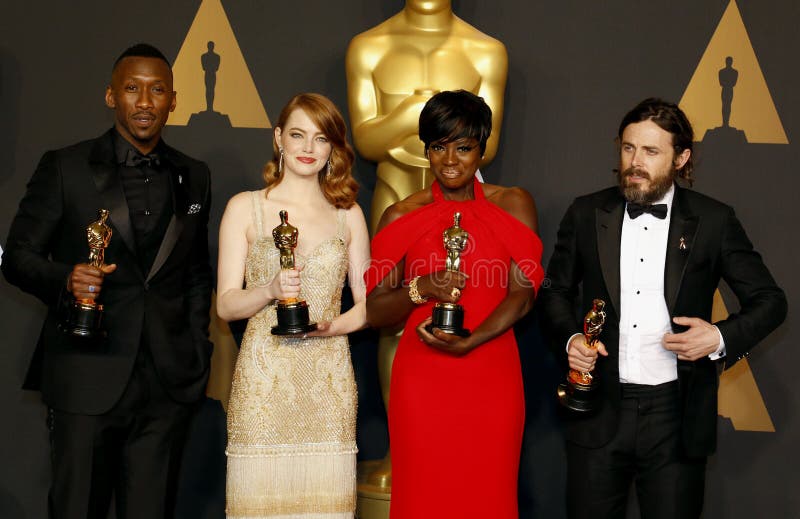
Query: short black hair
{"points": [[669, 117], [141, 50], [454, 114]]}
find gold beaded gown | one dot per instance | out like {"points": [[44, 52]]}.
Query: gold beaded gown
{"points": [[292, 411]]}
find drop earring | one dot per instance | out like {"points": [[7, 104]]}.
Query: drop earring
{"points": [[280, 161]]}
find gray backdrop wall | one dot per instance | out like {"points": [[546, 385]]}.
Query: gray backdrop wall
{"points": [[575, 67]]}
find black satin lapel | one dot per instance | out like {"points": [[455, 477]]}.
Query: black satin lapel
{"points": [[179, 186], [109, 186], [680, 244], [167, 244], [609, 235]]}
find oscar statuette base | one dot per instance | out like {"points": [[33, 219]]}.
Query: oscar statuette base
{"points": [[577, 397], [84, 321], [448, 317], [293, 319]]}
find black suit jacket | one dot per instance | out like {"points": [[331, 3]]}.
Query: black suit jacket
{"points": [[166, 309], [586, 261]]}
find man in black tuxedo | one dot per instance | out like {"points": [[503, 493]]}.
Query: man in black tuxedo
{"points": [[655, 253], [119, 407]]}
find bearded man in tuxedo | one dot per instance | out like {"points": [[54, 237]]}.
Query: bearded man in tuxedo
{"points": [[655, 253]]}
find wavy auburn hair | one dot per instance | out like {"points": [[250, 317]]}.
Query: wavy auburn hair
{"points": [[339, 188]]}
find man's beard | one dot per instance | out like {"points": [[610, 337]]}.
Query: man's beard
{"points": [[654, 193]]}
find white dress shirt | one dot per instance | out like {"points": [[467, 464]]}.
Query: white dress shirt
{"points": [[644, 317]]}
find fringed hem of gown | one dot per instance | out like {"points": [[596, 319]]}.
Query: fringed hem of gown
{"points": [[290, 482]]}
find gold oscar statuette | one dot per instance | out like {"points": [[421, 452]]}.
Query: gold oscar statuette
{"points": [[292, 313], [85, 315], [579, 392], [449, 317]]}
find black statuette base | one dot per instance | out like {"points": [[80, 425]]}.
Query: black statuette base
{"points": [[578, 397], [84, 321], [448, 317], [293, 319]]}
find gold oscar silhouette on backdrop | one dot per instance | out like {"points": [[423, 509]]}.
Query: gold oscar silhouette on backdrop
{"points": [[210, 63], [392, 71], [727, 80], [726, 134]]}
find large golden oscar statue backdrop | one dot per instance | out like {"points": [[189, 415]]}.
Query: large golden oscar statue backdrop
{"points": [[392, 71]]}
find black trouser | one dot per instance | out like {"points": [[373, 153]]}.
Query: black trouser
{"points": [[132, 452], [646, 449]]}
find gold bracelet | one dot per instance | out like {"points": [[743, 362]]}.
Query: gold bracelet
{"points": [[413, 292]]}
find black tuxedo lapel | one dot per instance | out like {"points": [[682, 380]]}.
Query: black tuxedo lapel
{"points": [[680, 245], [179, 175], [109, 187], [609, 234]]}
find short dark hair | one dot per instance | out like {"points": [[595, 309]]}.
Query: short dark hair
{"points": [[453, 115], [669, 117], [141, 50]]}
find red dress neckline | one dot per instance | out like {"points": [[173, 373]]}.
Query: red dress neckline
{"points": [[438, 196]]}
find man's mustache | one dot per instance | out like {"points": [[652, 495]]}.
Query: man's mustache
{"points": [[635, 171]]}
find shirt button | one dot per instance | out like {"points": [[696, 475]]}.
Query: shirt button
{"points": [[638, 292], [635, 325], [645, 228], [641, 259]]}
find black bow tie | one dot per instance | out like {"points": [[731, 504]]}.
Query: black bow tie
{"points": [[658, 210], [135, 159]]}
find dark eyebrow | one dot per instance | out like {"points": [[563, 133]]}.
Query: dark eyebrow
{"points": [[295, 129], [646, 148]]}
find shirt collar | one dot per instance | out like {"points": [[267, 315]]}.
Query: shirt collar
{"points": [[121, 147]]}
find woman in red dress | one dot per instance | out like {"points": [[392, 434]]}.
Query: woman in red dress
{"points": [[456, 411]]}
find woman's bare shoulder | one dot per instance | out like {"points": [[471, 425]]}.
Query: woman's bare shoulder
{"points": [[241, 202], [405, 206], [516, 201]]}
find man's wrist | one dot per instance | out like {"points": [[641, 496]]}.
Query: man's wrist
{"points": [[720, 351], [569, 341]]}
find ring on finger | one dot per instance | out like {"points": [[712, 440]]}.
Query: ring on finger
{"points": [[455, 293], [92, 289]]}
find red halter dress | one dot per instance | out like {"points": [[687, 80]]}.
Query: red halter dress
{"points": [[455, 423]]}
